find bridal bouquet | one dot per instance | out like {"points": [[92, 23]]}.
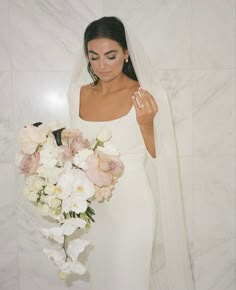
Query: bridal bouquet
{"points": [[64, 173]]}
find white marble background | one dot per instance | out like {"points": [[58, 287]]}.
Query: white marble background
{"points": [[192, 46]]}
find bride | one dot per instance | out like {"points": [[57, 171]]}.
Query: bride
{"points": [[139, 239]]}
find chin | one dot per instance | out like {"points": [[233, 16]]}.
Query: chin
{"points": [[109, 78]]}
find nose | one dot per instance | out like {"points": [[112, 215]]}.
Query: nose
{"points": [[102, 63]]}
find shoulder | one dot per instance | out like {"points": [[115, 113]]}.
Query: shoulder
{"points": [[132, 85], [85, 89]]}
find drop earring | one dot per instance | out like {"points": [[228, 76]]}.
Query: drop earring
{"points": [[126, 60]]}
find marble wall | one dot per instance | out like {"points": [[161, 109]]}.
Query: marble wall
{"points": [[192, 48]]}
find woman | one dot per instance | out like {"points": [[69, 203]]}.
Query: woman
{"points": [[125, 235]]}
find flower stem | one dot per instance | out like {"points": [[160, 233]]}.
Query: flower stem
{"points": [[64, 247], [98, 143]]}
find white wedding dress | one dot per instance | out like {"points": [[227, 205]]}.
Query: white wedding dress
{"points": [[139, 237], [123, 232]]}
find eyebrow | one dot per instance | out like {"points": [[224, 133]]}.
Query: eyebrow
{"points": [[110, 51]]}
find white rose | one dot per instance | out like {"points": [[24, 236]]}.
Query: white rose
{"points": [[51, 173], [50, 189], [44, 198], [44, 209], [109, 149], [30, 195], [35, 183], [55, 203], [104, 135]]}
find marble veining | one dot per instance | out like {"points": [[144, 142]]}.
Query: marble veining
{"points": [[191, 46]]}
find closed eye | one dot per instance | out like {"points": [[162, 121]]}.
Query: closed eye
{"points": [[112, 57]]}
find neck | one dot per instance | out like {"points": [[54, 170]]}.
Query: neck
{"points": [[110, 86]]}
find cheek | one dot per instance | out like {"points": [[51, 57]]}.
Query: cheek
{"points": [[117, 63]]}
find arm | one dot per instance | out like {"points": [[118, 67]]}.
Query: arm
{"points": [[146, 109], [148, 137]]}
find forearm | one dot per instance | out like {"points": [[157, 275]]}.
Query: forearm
{"points": [[148, 137]]}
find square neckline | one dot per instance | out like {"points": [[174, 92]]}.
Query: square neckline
{"points": [[106, 121]]}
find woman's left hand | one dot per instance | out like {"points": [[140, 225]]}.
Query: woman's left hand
{"points": [[145, 106]]}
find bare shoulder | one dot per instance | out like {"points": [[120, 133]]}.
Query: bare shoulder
{"points": [[132, 85], [85, 90]]}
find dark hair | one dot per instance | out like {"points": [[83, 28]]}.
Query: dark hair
{"points": [[112, 28]]}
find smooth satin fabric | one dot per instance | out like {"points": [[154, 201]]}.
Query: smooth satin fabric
{"points": [[124, 227], [170, 259]]}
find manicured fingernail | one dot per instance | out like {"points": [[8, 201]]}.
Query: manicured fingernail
{"points": [[133, 97], [140, 94]]}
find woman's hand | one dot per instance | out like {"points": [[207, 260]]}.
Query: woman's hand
{"points": [[145, 106], [146, 109]]}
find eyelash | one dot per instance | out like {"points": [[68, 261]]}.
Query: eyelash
{"points": [[111, 57]]}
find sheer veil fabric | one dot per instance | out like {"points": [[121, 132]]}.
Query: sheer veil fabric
{"points": [[171, 266]]}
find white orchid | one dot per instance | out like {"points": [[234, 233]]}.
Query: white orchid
{"points": [[56, 255], [71, 267], [74, 203], [76, 247], [75, 183], [55, 233], [80, 158], [70, 225]]}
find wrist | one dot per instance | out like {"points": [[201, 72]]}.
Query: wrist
{"points": [[146, 127]]}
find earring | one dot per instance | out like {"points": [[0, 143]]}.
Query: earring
{"points": [[126, 60]]}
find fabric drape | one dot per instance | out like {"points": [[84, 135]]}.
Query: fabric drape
{"points": [[171, 264]]}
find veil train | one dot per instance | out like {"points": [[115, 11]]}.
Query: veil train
{"points": [[171, 264]]}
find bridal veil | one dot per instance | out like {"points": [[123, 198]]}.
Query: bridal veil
{"points": [[171, 266]]}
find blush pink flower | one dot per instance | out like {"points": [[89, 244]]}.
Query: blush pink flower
{"points": [[79, 143], [66, 154], [103, 192], [29, 164], [30, 137], [111, 164], [102, 168]]}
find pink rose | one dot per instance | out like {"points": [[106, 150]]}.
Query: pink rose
{"points": [[31, 136], [66, 154], [29, 164], [111, 164], [78, 143], [102, 168]]}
